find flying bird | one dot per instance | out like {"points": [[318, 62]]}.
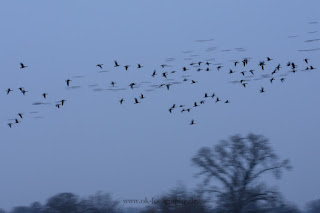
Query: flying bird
{"points": [[22, 66], [126, 67], [136, 101], [132, 84], [9, 90], [68, 82], [62, 102], [116, 64], [154, 73]]}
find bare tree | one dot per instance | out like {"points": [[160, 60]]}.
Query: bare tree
{"points": [[238, 164]]}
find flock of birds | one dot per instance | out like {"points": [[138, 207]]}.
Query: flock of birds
{"points": [[244, 71], [239, 68]]}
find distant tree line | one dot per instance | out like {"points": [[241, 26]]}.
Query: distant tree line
{"points": [[231, 174]]}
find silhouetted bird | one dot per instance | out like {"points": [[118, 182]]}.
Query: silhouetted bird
{"points": [[168, 86], [217, 100], [24, 92], [193, 82], [20, 115], [306, 60], [269, 59], [126, 67], [22, 66], [10, 125], [68, 82], [131, 85], [184, 69], [192, 122], [99, 65], [142, 97], [252, 72], [243, 72], [245, 62], [244, 84], [164, 74], [139, 66], [261, 64], [154, 73], [136, 101], [121, 101], [58, 105], [9, 90], [16, 120], [272, 79], [235, 63], [282, 79], [112, 83], [227, 101], [62, 102], [44, 95], [219, 67], [262, 90], [116, 64]]}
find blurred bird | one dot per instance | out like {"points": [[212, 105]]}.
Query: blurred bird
{"points": [[68, 82], [136, 101], [22, 66], [116, 64], [9, 90]]}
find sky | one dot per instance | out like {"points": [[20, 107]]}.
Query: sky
{"points": [[141, 150]]}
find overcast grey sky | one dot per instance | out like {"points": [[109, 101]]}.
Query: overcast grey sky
{"points": [[134, 151]]}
